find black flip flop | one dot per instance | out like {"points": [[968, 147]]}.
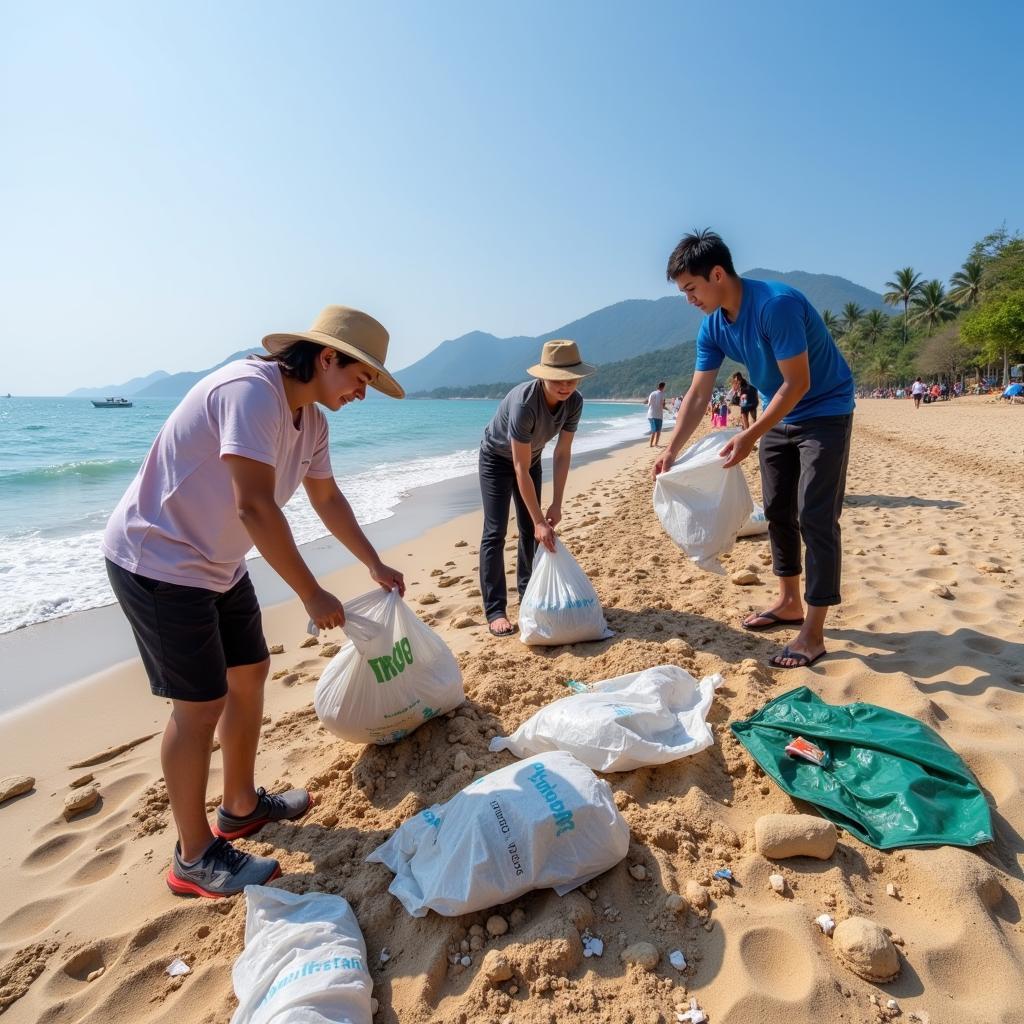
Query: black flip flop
{"points": [[773, 622], [802, 660], [501, 633]]}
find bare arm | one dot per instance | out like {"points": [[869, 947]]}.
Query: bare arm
{"points": [[691, 412], [796, 381], [522, 455], [560, 474], [253, 485], [336, 514]]}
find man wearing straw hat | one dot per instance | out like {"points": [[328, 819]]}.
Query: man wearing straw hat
{"points": [[529, 416], [228, 458]]}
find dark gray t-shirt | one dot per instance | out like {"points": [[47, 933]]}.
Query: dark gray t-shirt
{"points": [[524, 415]]}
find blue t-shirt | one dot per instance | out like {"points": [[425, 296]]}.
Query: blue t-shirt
{"points": [[777, 322]]}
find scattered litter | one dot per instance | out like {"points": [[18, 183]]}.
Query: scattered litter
{"points": [[695, 1015], [825, 923], [808, 751], [677, 960], [725, 873], [177, 967], [892, 1005], [576, 686], [385, 955], [891, 890], [592, 945]]}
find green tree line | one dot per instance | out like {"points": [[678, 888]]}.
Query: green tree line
{"points": [[973, 324]]}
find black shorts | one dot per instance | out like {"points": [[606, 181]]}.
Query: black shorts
{"points": [[188, 636]]}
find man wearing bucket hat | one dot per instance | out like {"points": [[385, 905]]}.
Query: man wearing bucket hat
{"points": [[212, 486], [529, 416]]}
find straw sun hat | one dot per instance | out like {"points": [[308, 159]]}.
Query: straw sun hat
{"points": [[353, 334], [560, 360]]}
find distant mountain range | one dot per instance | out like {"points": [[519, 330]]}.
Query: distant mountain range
{"points": [[616, 333]]}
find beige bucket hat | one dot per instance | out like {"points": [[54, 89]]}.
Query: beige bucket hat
{"points": [[560, 360], [352, 333]]}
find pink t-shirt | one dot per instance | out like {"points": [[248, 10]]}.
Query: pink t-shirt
{"points": [[178, 522]]}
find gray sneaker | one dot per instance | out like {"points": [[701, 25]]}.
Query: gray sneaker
{"points": [[221, 871], [269, 807]]}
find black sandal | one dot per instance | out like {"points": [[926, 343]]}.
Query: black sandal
{"points": [[802, 660], [773, 622], [511, 631]]}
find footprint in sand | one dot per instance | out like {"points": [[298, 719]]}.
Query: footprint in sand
{"points": [[34, 917]]}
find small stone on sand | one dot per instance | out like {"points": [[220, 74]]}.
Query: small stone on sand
{"points": [[310, 641], [643, 954], [329, 650], [990, 567], [462, 543], [496, 925], [674, 903], [696, 895], [941, 590], [82, 780], [865, 948], [778, 883], [464, 622], [778, 836], [638, 871], [15, 785], [277, 649], [938, 549], [745, 578], [463, 762], [428, 598], [80, 800], [496, 968], [517, 917]]}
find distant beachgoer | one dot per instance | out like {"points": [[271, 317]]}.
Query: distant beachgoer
{"points": [[656, 413], [747, 395], [917, 389], [529, 416], [804, 428], [228, 457]]}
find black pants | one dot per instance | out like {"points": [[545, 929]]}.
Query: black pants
{"points": [[497, 486], [803, 480]]}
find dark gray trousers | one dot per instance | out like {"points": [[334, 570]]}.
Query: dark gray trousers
{"points": [[803, 481], [497, 486]]}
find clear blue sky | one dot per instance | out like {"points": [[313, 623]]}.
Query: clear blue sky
{"points": [[180, 178]]}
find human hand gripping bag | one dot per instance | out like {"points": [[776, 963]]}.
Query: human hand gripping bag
{"points": [[304, 961], [544, 822], [393, 674], [560, 605], [701, 505], [645, 718]]}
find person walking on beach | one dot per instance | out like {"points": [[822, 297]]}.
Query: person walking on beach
{"points": [[917, 389], [747, 395], [656, 413], [804, 429], [212, 486], [529, 416]]}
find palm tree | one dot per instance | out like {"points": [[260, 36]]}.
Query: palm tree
{"points": [[874, 326], [852, 314], [965, 284], [905, 285], [932, 306], [832, 324], [882, 369]]}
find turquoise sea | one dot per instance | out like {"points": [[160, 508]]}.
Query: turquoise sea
{"points": [[64, 465]]}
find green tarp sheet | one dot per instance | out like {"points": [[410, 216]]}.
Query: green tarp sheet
{"points": [[891, 780]]}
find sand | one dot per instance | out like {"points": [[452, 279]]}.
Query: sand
{"points": [[931, 627]]}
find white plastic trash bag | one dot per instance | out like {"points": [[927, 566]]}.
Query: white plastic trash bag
{"points": [[393, 675], [645, 718], [304, 961], [756, 524], [545, 822], [701, 505], [560, 605]]}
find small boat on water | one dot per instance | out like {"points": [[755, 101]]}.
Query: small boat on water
{"points": [[112, 403]]}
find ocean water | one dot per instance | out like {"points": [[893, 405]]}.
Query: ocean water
{"points": [[64, 465]]}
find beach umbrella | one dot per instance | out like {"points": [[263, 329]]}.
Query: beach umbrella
{"points": [[1013, 391]]}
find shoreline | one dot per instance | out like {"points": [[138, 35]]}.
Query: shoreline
{"points": [[24, 651]]}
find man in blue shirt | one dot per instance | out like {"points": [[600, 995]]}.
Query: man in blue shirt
{"points": [[804, 429]]}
